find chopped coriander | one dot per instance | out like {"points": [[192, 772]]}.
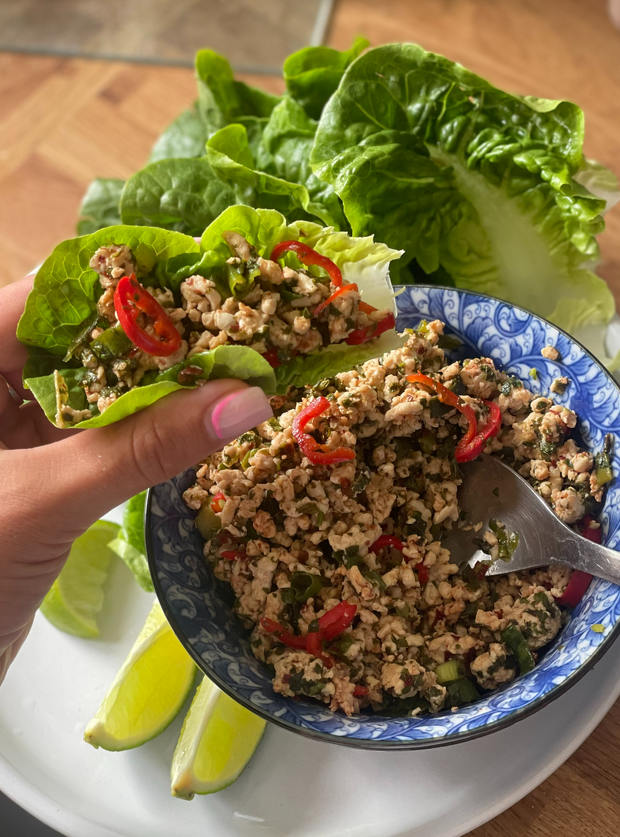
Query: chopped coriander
{"points": [[507, 541]]}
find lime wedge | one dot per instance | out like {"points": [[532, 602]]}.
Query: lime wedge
{"points": [[148, 691], [218, 739], [76, 597]]}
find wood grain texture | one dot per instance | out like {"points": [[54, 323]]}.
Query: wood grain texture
{"points": [[66, 121]]}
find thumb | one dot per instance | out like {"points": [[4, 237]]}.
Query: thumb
{"points": [[92, 471]]}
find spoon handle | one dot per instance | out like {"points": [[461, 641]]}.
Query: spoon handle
{"points": [[583, 554]]}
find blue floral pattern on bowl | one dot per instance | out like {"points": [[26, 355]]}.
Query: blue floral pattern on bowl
{"points": [[199, 607]]}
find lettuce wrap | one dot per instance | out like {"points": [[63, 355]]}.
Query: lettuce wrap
{"points": [[69, 342]]}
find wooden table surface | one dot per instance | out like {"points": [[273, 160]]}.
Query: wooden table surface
{"points": [[65, 121]]}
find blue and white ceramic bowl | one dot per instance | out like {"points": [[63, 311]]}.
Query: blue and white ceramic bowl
{"points": [[199, 607]]}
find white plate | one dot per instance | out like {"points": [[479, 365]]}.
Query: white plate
{"points": [[293, 787]]}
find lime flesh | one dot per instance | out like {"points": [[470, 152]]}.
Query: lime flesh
{"points": [[148, 691], [218, 739], [76, 597]]}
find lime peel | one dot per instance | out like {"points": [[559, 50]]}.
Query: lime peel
{"points": [[148, 691], [218, 739]]}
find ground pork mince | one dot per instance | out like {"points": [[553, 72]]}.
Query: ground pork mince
{"points": [[250, 301], [338, 569]]}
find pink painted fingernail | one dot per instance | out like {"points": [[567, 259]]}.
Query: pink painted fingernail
{"points": [[240, 411]]}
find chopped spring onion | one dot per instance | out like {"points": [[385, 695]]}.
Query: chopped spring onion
{"points": [[449, 671], [515, 642], [207, 522]]}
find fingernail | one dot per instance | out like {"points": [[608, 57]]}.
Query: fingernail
{"points": [[240, 411]]}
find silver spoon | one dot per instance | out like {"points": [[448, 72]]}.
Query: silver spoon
{"points": [[492, 490]]}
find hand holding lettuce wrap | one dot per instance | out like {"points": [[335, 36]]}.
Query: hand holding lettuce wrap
{"points": [[56, 483], [121, 317]]}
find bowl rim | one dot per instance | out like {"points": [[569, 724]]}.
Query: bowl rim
{"points": [[397, 744]]}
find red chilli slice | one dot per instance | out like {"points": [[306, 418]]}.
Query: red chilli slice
{"points": [[308, 256], [317, 453], [130, 301]]}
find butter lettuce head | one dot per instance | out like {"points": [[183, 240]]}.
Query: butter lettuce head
{"points": [[475, 184], [63, 304]]}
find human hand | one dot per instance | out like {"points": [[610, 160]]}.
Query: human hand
{"points": [[55, 483]]}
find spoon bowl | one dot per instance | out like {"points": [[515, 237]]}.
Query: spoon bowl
{"points": [[492, 491]]}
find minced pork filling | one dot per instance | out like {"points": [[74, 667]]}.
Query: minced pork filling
{"points": [[337, 565], [278, 311]]}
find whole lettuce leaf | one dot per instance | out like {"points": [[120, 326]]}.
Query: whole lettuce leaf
{"points": [[62, 304], [258, 154], [269, 169], [467, 179]]}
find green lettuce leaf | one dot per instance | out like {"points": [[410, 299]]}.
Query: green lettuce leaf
{"points": [[310, 369], [176, 194], [184, 137], [466, 179], [222, 100], [361, 259], [231, 158], [129, 543], [238, 362], [313, 73], [100, 205], [187, 194], [258, 153]]}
